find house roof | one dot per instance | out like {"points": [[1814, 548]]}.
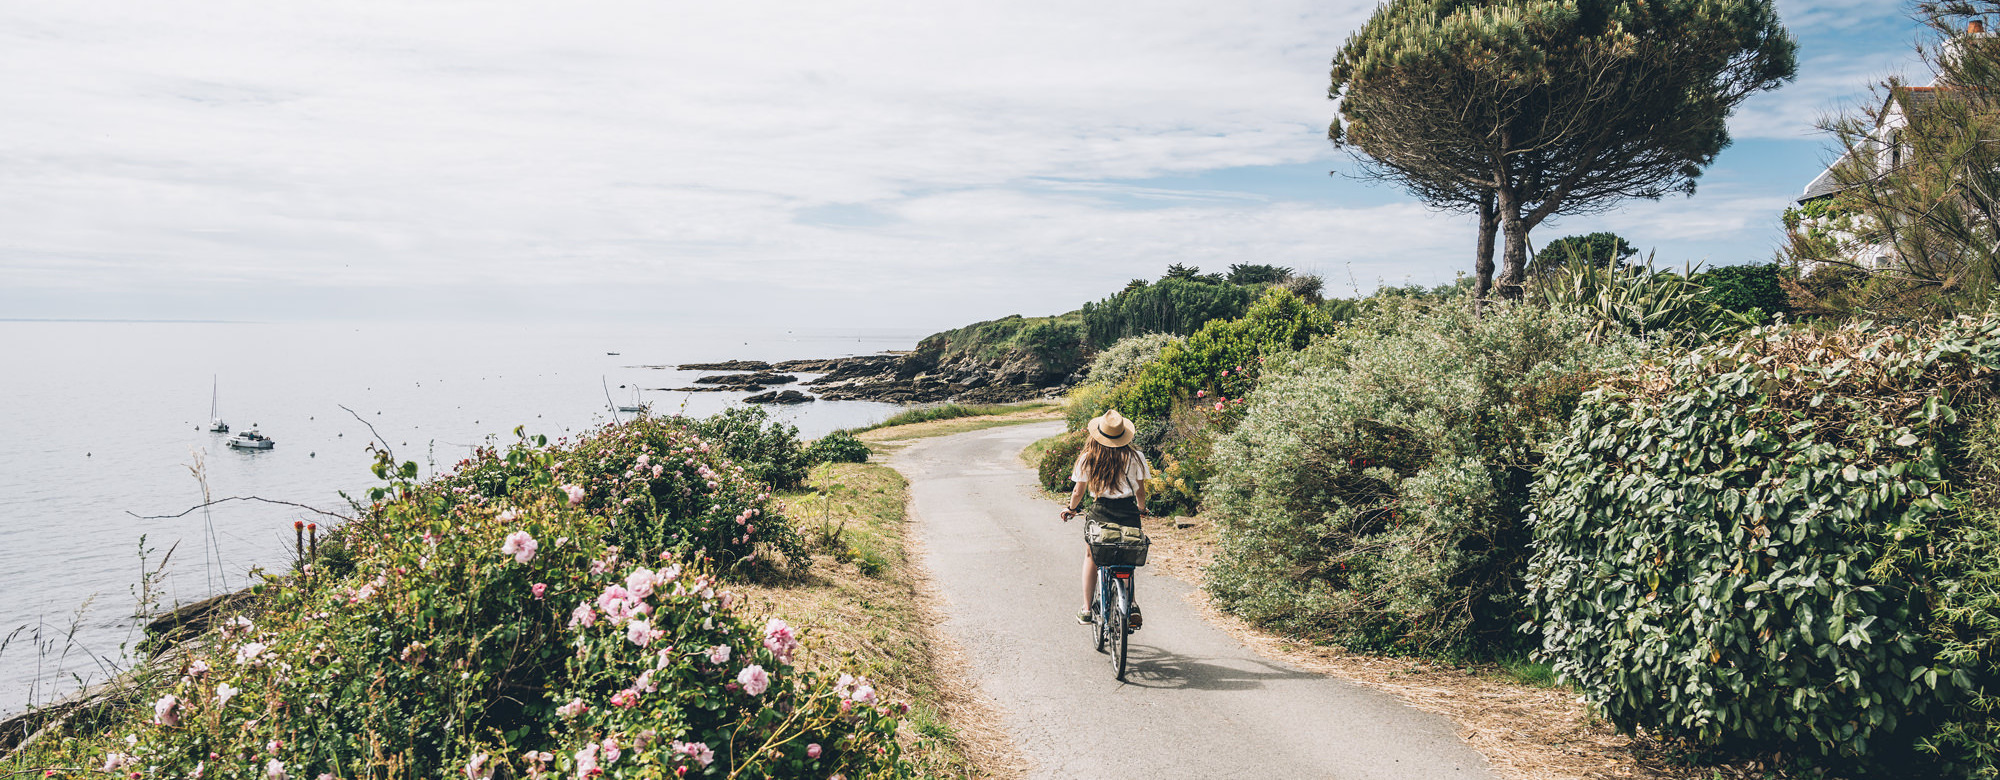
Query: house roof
{"points": [[1914, 98]]}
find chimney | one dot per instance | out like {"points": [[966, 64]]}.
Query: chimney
{"points": [[1975, 27]]}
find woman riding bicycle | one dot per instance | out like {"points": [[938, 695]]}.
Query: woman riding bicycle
{"points": [[1113, 473]]}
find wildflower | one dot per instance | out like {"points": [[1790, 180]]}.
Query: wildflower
{"points": [[718, 655], [699, 751], [274, 769], [520, 545], [625, 699], [249, 651], [476, 769], [583, 615], [610, 750], [415, 653], [198, 668], [639, 632], [538, 589], [574, 708], [225, 692], [116, 761], [575, 494], [586, 761], [166, 711], [812, 750], [780, 640], [754, 679], [237, 625]]}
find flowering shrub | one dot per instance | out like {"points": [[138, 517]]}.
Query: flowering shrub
{"points": [[1788, 541], [661, 483], [770, 453], [511, 620], [1384, 471]]}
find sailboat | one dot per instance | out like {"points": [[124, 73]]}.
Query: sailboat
{"points": [[215, 423]]}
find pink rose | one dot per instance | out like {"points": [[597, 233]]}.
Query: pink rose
{"points": [[583, 615], [166, 711], [754, 679], [539, 589], [639, 632], [718, 655], [520, 545], [812, 750], [575, 494]]}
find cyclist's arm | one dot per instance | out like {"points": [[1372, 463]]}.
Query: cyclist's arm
{"points": [[1075, 500], [1140, 497]]}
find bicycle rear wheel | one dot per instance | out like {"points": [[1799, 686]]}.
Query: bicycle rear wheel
{"points": [[1099, 621], [1121, 628]]}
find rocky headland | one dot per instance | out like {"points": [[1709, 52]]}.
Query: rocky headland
{"points": [[935, 372]]}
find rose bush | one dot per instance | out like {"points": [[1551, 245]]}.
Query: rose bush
{"points": [[543, 612]]}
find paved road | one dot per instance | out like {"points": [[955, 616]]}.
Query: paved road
{"points": [[1196, 704]]}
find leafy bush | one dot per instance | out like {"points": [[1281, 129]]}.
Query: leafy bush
{"points": [[1221, 361], [836, 447], [771, 453], [1375, 492], [1745, 289], [1059, 460], [505, 635], [1119, 360], [1787, 541]]}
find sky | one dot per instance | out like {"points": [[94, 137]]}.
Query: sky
{"points": [[844, 163]]}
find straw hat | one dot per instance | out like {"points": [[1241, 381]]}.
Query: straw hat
{"points": [[1111, 429]]}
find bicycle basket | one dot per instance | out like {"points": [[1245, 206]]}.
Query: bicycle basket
{"points": [[1116, 545]]}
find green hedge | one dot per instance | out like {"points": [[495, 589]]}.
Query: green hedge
{"points": [[1220, 360], [1787, 542], [1375, 492]]}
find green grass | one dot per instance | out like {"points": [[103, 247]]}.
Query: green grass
{"points": [[1528, 672], [948, 412]]}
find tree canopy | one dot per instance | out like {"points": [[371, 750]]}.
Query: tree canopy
{"points": [[1522, 110]]}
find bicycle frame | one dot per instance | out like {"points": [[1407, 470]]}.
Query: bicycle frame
{"points": [[1113, 611]]}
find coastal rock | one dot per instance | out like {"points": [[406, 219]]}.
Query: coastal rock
{"points": [[761, 378], [809, 366], [779, 397], [727, 365]]}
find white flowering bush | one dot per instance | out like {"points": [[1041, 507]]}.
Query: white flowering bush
{"points": [[549, 628]]}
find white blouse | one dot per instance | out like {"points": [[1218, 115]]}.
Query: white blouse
{"points": [[1136, 469]]}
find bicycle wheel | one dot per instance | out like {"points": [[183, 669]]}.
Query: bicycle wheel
{"points": [[1121, 630], [1097, 610]]}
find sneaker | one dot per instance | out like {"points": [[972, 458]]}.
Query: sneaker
{"points": [[1136, 620], [1084, 617]]}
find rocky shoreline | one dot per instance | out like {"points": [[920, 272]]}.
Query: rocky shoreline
{"points": [[910, 378]]}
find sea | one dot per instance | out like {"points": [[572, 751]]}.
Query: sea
{"points": [[108, 462]]}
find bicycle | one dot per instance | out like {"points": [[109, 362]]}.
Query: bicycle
{"points": [[1111, 608]]}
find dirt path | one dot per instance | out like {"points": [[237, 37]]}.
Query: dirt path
{"points": [[1198, 703]]}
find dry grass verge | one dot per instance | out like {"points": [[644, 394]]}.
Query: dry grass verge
{"points": [[867, 603], [890, 439]]}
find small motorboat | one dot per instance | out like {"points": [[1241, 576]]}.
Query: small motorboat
{"points": [[251, 440]]}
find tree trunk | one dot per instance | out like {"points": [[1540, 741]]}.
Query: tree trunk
{"points": [[1514, 263], [1489, 226]]}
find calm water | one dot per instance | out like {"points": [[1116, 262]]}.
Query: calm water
{"points": [[105, 420]]}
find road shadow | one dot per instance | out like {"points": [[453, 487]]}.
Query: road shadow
{"points": [[1147, 666]]}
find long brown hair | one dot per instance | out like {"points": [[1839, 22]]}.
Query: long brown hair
{"points": [[1104, 468]]}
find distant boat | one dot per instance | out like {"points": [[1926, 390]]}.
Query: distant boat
{"points": [[251, 440], [215, 423], [636, 407]]}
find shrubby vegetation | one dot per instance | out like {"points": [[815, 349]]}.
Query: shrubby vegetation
{"points": [[1375, 491], [836, 447], [1221, 361], [543, 611], [1791, 540], [769, 451]]}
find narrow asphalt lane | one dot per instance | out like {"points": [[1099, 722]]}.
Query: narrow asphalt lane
{"points": [[1196, 703]]}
